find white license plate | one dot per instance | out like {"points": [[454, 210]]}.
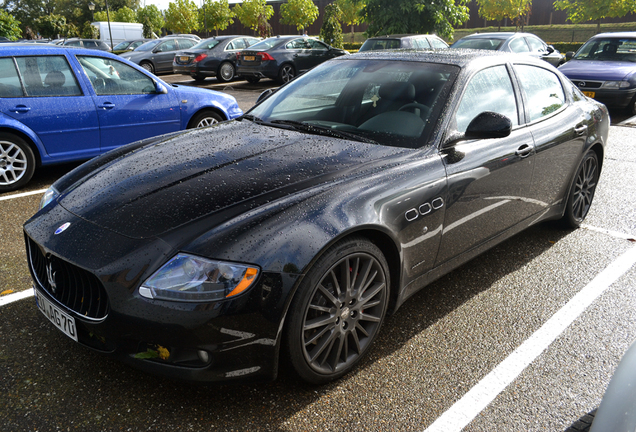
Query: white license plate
{"points": [[57, 316]]}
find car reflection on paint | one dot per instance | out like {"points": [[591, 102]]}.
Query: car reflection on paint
{"points": [[293, 231]]}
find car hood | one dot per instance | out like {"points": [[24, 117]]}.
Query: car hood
{"points": [[598, 70], [230, 168]]}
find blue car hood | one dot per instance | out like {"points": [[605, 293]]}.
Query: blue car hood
{"points": [[596, 70]]}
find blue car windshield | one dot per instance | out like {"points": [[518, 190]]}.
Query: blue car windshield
{"points": [[608, 49]]}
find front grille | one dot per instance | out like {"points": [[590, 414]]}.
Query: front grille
{"points": [[75, 288], [587, 84]]}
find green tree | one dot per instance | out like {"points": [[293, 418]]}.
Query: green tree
{"points": [[255, 14], [414, 16], [579, 11], [125, 14], [152, 19], [497, 10], [28, 11], [50, 26], [216, 14], [350, 11], [9, 26], [182, 16], [89, 31], [331, 30], [101, 16], [301, 13]]}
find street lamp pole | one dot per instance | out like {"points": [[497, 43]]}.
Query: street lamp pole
{"points": [[91, 7], [109, 30]]}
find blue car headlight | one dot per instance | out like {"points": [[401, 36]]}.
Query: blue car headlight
{"points": [[50, 194], [616, 84], [189, 278]]}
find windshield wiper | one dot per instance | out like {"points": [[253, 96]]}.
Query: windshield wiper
{"points": [[250, 117], [322, 130]]}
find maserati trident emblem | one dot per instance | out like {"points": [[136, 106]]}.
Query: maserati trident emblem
{"points": [[50, 275], [62, 228]]}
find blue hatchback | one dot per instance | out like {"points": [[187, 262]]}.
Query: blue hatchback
{"points": [[65, 104], [605, 69]]}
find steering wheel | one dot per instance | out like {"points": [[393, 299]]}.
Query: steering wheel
{"points": [[414, 106]]}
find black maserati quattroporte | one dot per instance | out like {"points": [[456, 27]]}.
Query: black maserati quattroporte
{"points": [[291, 232]]}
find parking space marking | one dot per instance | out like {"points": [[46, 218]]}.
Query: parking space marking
{"points": [[10, 298], [485, 391], [20, 195], [616, 234]]}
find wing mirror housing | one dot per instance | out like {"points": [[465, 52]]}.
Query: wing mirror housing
{"points": [[486, 125], [569, 55], [550, 49], [160, 88]]}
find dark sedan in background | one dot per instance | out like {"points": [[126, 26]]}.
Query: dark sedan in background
{"points": [[157, 55], [291, 232], [605, 69], [128, 45], [214, 57], [520, 43], [283, 57]]}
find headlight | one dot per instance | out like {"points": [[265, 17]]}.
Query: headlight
{"points": [[50, 194], [615, 84], [189, 278]]}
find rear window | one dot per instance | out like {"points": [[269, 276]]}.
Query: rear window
{"points": [[207, 44], [266, 44]]}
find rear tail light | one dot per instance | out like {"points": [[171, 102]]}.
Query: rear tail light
{"points": [[265, 56], [200, 57]]}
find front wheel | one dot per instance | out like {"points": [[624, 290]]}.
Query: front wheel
{"points": [[17, 162], [204, 118], [148, 66], [225, 72], [338, 310], [582, 190]]}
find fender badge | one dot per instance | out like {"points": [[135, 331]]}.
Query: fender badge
{"points": [[62, 228]]}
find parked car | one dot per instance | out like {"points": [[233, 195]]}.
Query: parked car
{"points": [[403, 42], [188, 35], [283, 57], [291, 231], [604, 68], [520, 43], [157, 55], [128, 45], [86, 43], [63, 104], [214, 57]]}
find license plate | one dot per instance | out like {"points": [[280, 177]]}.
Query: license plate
{"points": [[184, 58], [589, 94], [249, 58], [57, 316]]}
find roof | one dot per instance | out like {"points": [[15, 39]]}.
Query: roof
{"points": [[615, 35], [458, 57]]}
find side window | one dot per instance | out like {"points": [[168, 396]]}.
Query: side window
{"points": [[535, 44], [519, 45], [437, 43], [9, 80], [110, 77], [169, 45], [542, 89], [489, 90], [47, 76], [317, 45], [251, 41], [186, 43], [90, 44], [422, 43], [296, 44], [238, 44]]}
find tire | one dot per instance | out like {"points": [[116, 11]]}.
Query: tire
{"points": [[198, 78], [632, 107], [17, 162], [204, 118], [253, 79], [226, 72], [582, 191], [286, 73], [148, 66], [337, 311]]}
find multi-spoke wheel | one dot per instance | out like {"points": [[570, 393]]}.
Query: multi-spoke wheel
{"points": [[286, 73], [148, 66], [204, 118], [225, 72], [17, 162], [338, 310], [582, 190]]}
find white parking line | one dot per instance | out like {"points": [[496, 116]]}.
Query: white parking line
{"points": [[10, 298], [486, 390], [20, 195]]}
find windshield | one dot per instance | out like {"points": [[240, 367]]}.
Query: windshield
{"points": [[207, 44], [266, 44], [608, 49], [148, 46], [122, 45], [394, 103], [380, 44], [479, 43]]}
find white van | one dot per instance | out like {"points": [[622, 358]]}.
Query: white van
{"points": [[121, 31]]}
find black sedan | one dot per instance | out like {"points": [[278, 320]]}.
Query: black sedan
{"points": [[283, 57], [214, 57], [292, 232], [520, 43]]}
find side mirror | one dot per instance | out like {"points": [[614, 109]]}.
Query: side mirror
{"points": [[267, 93], [486, 125], [569, 55], [550, 49], [160, 89]]}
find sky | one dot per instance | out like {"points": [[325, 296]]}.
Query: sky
{"points": [[163, 4]]}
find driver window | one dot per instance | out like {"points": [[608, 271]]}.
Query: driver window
{"points": [[110, 77], [489, 90], [542, 89], [519, 45]]}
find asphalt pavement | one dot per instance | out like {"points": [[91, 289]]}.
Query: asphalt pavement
{"points": [[524, 337]]}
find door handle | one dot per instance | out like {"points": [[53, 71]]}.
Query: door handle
{"points": [[580, 129], [524, 151], [20, 109], [107, 105]]}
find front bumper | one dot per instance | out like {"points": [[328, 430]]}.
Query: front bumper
{"points": [[613, 98], [229, 340], [269, 70]]}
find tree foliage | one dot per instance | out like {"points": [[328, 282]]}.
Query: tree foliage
{"points": [[414, 16], [9, 26], [216, 15], [331, 30], [579, 11], [497, 10], [125, 14], [301, 13], [89, 31], [152, 20], [182, 16], [255, 14], [50, 26], [28, 11], [350, 13]]}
